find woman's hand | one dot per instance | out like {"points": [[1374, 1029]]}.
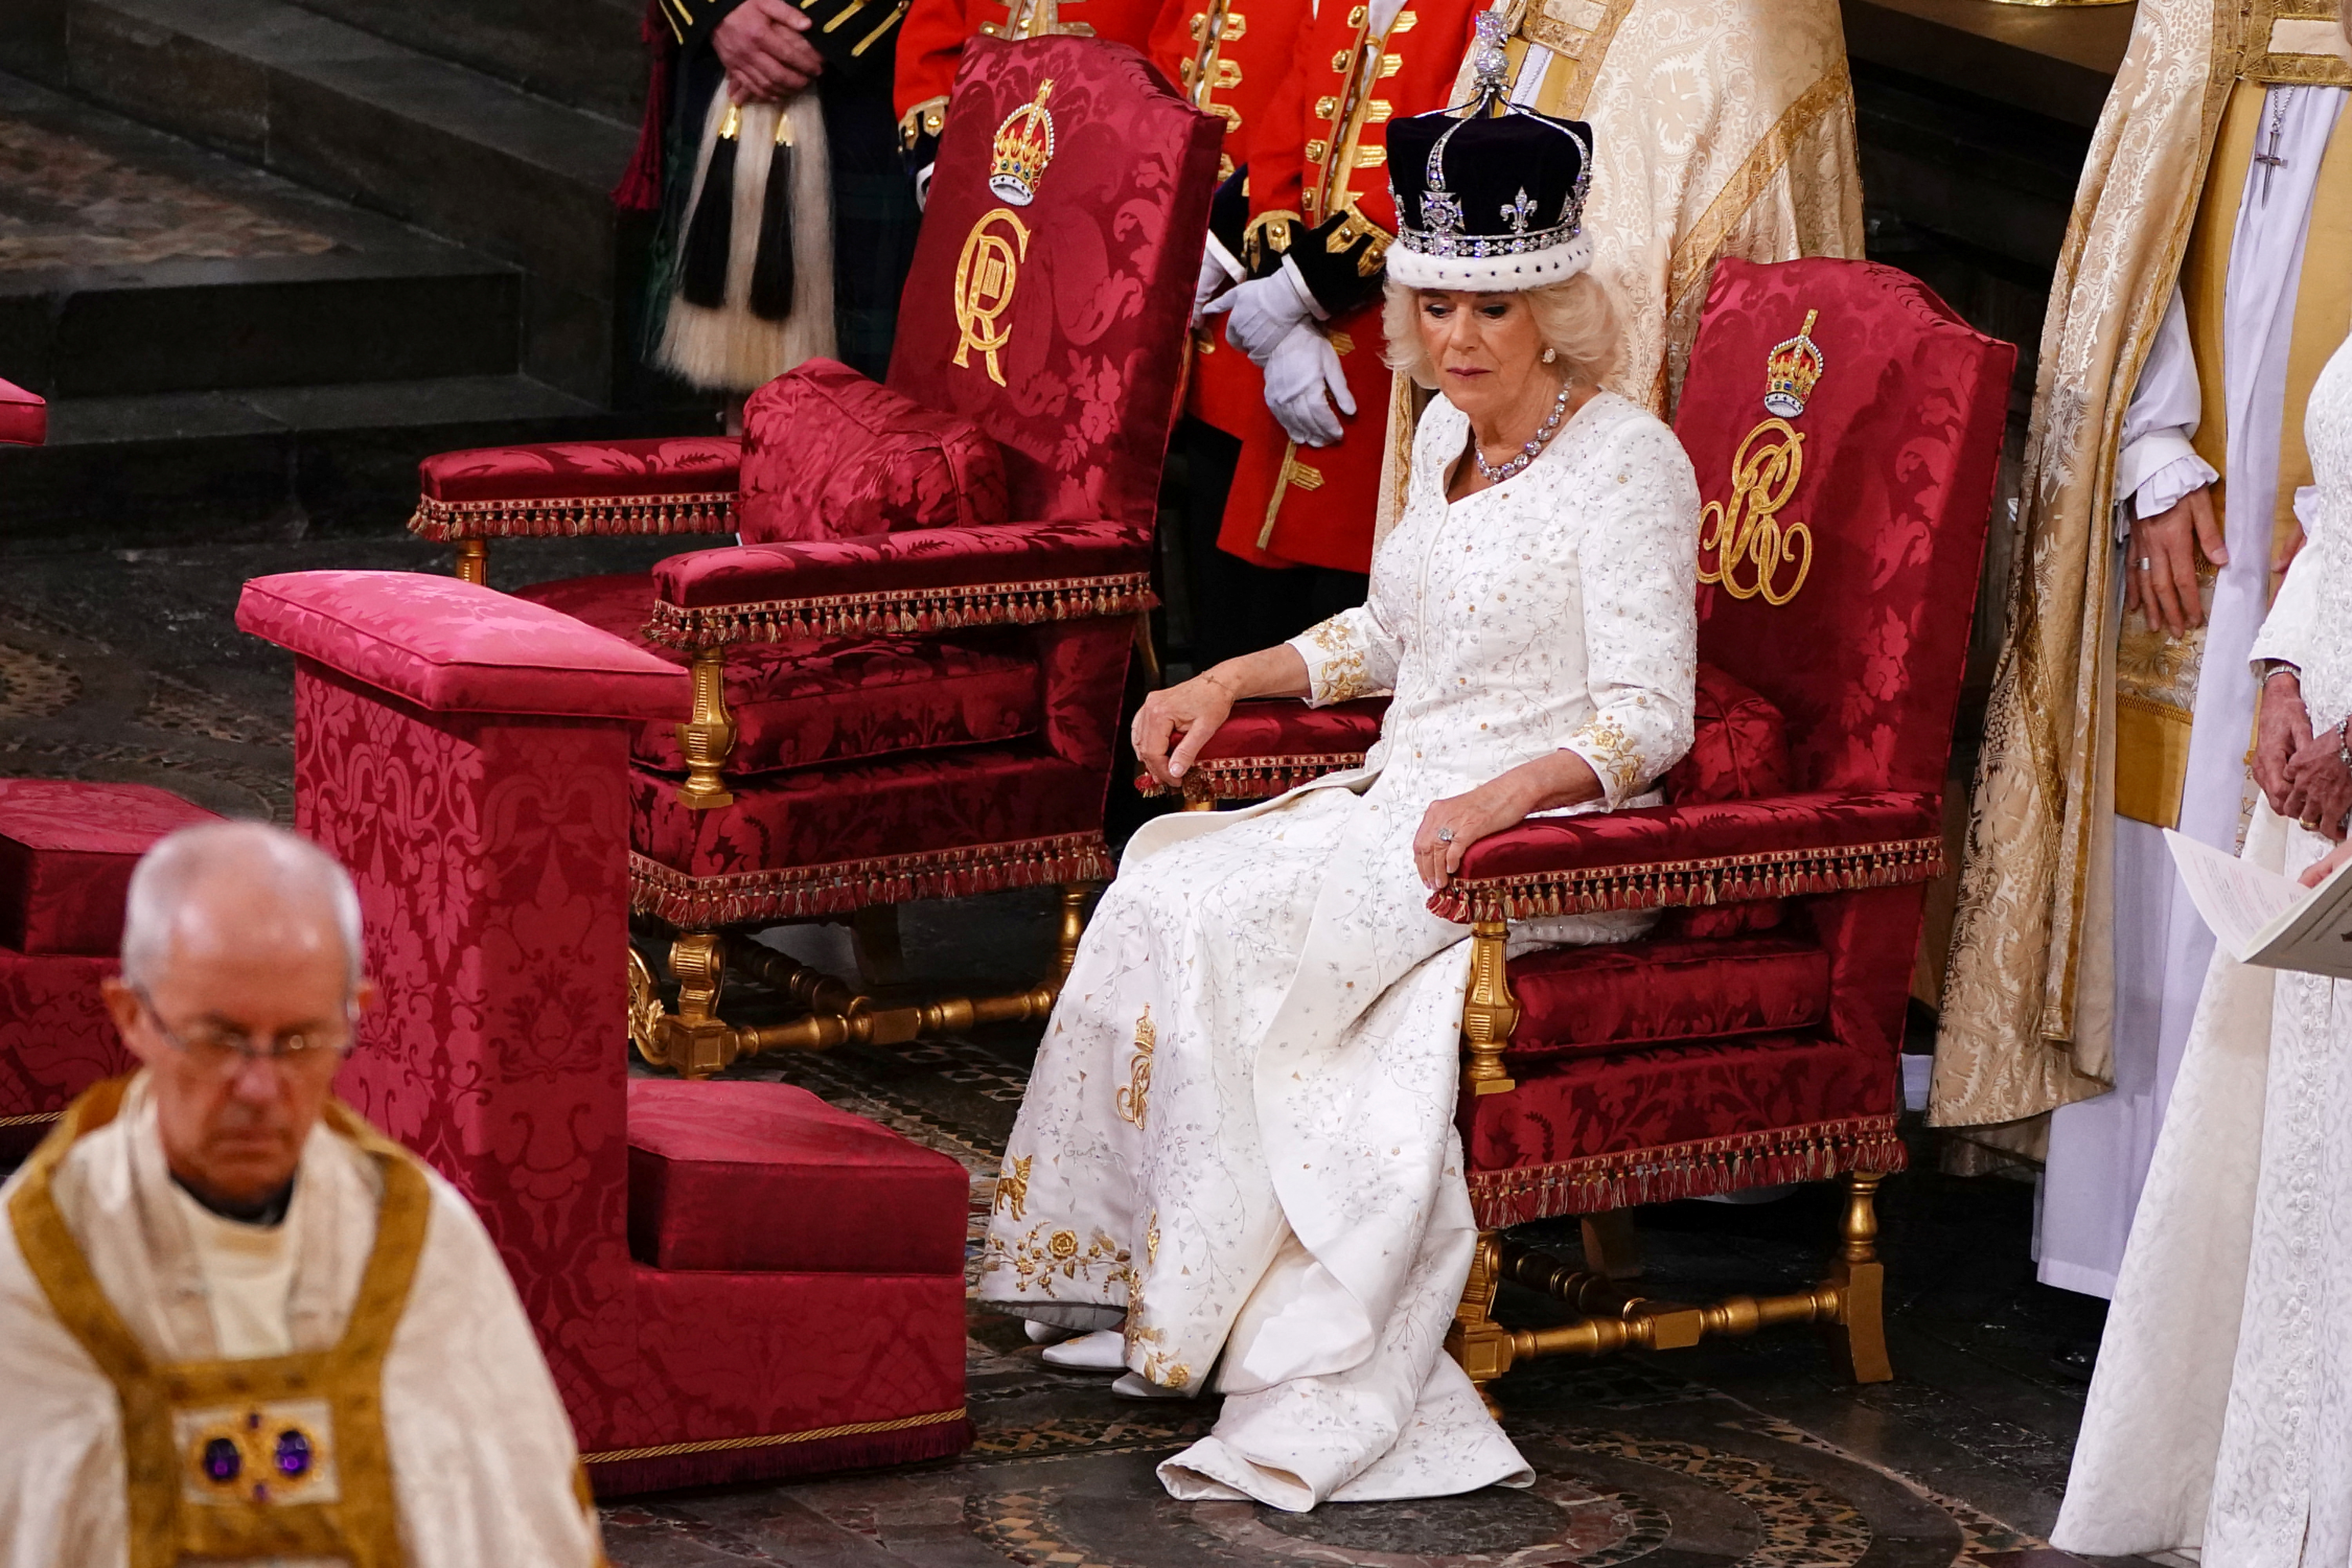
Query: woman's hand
{"points": [[1451, 825], [2320, 786], [2282, 729], [1184, 716], [2319, 871]]}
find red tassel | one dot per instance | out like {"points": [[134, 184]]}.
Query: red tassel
{"points": [[640, 190]]}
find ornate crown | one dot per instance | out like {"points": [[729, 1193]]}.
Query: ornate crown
{"points": [[1025, 145], [1791, 370]]}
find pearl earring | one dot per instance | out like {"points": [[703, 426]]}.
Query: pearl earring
{"points": [[1550, 355]]}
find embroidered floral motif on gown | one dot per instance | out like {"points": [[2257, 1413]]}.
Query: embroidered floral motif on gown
{"points": [[1240, 1128], [2220, 1415]]}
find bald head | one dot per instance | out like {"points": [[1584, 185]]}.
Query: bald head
{"points": [[237, 887]]}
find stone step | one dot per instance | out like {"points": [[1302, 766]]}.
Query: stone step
{"points": [[582, 52], [518, 176], [283, 462]]}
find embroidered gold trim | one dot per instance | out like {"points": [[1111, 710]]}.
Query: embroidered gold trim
{"points": [[686, 512], [1012, 1187], [1341, 677], [1672, 884], [1613, 749], [727, 1445], [1251, 778], [699, 904], [1597, 1182], [1132, 1100], [1037, 1257], [891, 610]]}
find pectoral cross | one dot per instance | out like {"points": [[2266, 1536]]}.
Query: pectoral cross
{"points": [[1518, 212], [2270, 159]]}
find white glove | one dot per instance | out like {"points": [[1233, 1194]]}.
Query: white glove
{"points": [[923, 186], [1214, 281], [1261, 314], [1302, 368]]}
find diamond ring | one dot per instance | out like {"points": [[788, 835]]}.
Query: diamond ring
{"points": [[1445, 836]]}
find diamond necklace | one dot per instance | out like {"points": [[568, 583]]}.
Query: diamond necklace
{"points": [[1497, 473]]}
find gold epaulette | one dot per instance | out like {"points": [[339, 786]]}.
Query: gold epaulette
{"points": [[924, 120], [1353, 227], [1269, 231]]}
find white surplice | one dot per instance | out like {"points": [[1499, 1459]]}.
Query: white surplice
{"points": [[482, 1453], [1240, 1128], [2220, 1418], [2100, 1148]]}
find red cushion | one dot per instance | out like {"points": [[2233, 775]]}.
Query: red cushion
{"points": [[24, 418], [828, 454], [453, 646], [763, 1176], [1586, 999], [559, 470], [800, 703], [1585, 1133], [1740, 750], [66, 854]]}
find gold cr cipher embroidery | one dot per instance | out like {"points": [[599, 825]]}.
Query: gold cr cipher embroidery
{"points": [[1132, 1101], [986, 276], [1747, 534]]}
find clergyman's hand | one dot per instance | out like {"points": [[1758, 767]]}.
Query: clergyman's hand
{"points": [[2320, 786], [759, 43], [2284, 730], [1174, 723], [2168, 541]]}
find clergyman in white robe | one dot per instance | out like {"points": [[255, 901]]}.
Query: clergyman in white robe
{"points": [[2219, 1418], [2099, 1148], [484, 1471], [1239, 1134]]}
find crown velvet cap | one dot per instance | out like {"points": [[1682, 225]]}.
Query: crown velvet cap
{"points": [[1488, 204]]}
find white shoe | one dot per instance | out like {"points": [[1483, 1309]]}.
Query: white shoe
{"points": [[1105, 1350], [1045, 1334], [1133, 1386]]}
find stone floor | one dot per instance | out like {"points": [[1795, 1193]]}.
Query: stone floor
{"points": [[127, 665]]}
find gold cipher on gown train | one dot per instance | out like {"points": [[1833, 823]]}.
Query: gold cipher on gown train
{"points": [[1240, 1128]]}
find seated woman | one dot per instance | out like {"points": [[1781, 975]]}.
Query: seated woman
{"points": [[1238, 1142]]}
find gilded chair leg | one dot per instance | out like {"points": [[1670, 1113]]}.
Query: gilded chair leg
{"points": [[1073, 926], [1612, 1249], [1489, 1012], [1480, 1345], [881, 955], [474, 561], [1145, 651], [707, 736], [1859, 1332], [695, 1042]]}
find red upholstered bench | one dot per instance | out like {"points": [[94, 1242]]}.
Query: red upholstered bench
{"points": [[66, 853], [24, 418]]}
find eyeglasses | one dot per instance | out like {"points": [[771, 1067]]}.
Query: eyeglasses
{"points": [[224, 1053]]}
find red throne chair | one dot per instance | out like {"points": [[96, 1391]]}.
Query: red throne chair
{"points": [[907, 685], [66, 848], [1846, 429], [732, 1282]]}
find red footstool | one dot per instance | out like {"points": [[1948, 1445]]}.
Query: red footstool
{"points": [[66, 854]]}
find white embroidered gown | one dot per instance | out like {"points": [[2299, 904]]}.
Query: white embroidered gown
{"points": [[2220, 1415], [1240, 1128]]}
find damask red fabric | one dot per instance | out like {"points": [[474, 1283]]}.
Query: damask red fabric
{"points": [[1584, 1106], [828, 454], [451, 646], [1664, 834], [768, 1178], [928, 558], [809, 817], [24, 418], [1740, 750], [1901, 440], [1097, 294], [66, 848], [562, 471], [56, 1040], [1580, 1000], [491, 857]]}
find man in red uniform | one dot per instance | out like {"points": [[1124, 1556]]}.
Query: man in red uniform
{"points": [[930, 47], [1229, 56]]}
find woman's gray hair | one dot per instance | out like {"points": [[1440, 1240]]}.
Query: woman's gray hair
{"points": [[294, 867], [1577, 318]]}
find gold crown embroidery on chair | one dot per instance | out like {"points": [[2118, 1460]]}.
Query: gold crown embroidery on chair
{"points": [[1790, 371], [1025, 145]]}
